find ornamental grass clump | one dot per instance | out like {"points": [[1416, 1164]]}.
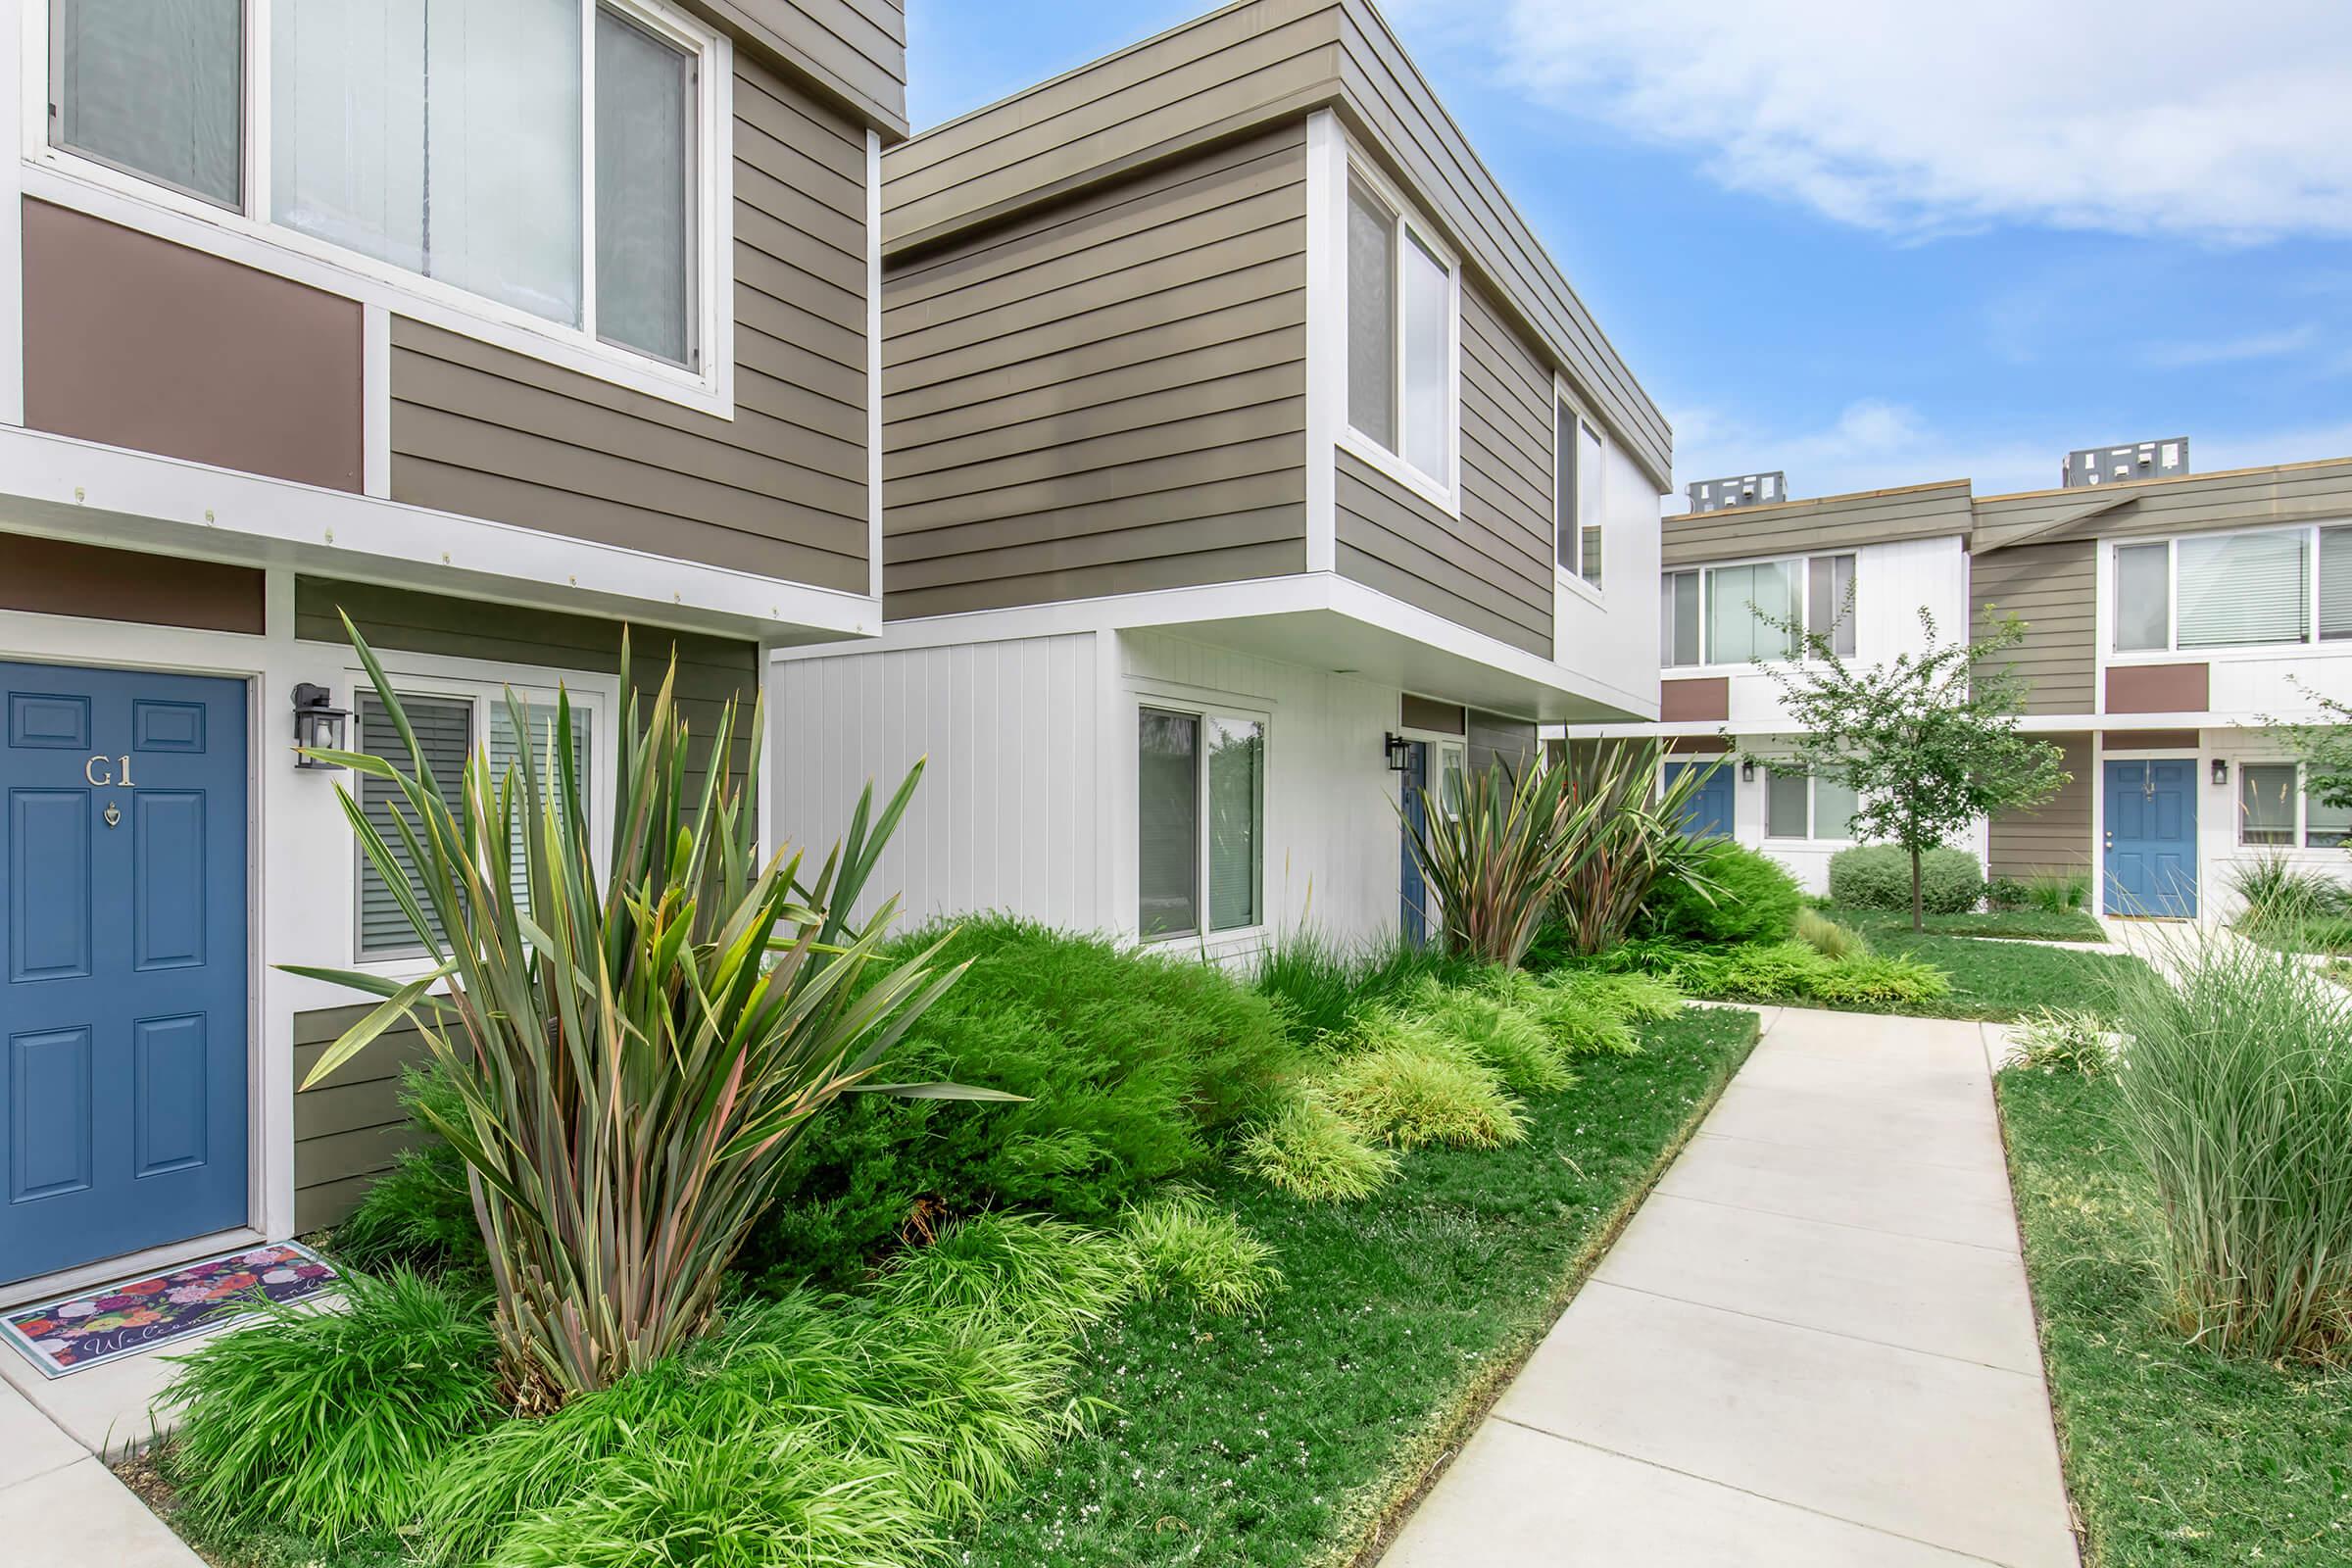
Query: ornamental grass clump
{"points": [[1580, 1014], [1013, 1271], [1408, 1085], [1509, 1041], [635, 1049], [1186, 1248], [2235, 1094], [1317, 1155]]}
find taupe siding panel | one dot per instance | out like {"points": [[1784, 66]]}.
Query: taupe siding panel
{"points": [[2050, 587], [2056, 837], [2242, 497], [710, 669], [1832, 523], [347, 1130], [781, 488], [1497, 738], [1490, 570], [1107, 397], [855, 49]]}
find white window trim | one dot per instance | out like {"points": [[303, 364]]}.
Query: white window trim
{"points": [[1168, 701], [422, 675], [68, 180], [1804, 604], [2111, 606], [1443, 491], [1812, 833], [1574, 580]]}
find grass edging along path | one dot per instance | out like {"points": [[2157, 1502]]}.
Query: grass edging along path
{"points": [[1302, 1434], [2011, 925], [2001, 980], [2174, 1457]]}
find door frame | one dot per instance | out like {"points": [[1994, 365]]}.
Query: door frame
{"points": [[1434, 741], [2100, 757]]}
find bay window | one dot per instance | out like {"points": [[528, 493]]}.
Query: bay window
{"points": [[2275, 811], [1401, 291], [541, 155], [2258, 588], [1199, 822]]}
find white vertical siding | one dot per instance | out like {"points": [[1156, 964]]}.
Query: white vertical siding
{"points": [[1891, 582], [1616, 640]]}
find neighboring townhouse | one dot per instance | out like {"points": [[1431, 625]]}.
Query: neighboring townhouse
{"points": [[2174, 624], [1250, 472], [498, 324]]}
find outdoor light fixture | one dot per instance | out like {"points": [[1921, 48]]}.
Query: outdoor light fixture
{"points": [[317, 725], [1747, 770], [2221, 770], [1400, 750]]}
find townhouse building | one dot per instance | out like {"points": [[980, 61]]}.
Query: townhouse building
{"points": [[1250, 473], [2175, 625], [498, 325]]}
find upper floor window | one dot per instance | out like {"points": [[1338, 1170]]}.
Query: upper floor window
{"points": [[2233, 589], [1737, 614], [1401, 295], [539, 153], [1578, 454]]}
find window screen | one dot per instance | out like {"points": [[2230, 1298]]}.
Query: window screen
{"points": [[444, 733], [1236, 784], [1678, 619], [2143, 592], [2244, 589], [1587, 503], [1737, 633], [154, 88], [2336, 583], [1834, 808], [1168, 823], [645, 205], [2266, 804], [506, 752], [1827, 612], [1784, 801], [1371, 319], [1427, 361], [1564, 486], [2326, 827]]}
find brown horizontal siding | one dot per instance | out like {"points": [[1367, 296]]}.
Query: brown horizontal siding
{"points": [[347, 1130], [2050, 587], [1105, 398], [2300, 492], [780, 489], [1829, 522], [855, 50], [2054, 838], [1392, 539]]}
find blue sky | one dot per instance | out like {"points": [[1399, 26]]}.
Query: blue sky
{"points": [[1872, 257]]}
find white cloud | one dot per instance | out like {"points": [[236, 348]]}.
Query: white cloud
{"points": [[2191, 353], [2139, 116]]}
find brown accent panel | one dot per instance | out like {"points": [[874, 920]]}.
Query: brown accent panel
{"points": [[60, 578], [1439, 718], [1694, 700], [2052, 588], [2152, 740], [782, 488], [1698, 745], [2054, 838], [2158, 688], [140, 343]]}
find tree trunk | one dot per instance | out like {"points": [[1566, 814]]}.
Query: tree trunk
{"points": [[1918, 900]]}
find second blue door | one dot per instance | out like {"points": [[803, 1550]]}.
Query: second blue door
{"points": [[1709, 816], [2151, 851], [122, 1091]]}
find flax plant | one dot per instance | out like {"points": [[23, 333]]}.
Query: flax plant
{"points": [[1495, 866], [1633, 838], [635, 1049]]}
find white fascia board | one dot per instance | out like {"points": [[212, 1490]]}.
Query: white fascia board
{"points": [[69, 488]]}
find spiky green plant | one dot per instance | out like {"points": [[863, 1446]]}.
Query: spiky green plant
{"points": [[635, 1049], [1493, 868], [1632, 841]]}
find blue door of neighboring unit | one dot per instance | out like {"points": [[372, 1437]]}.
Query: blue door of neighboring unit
{"points": [[1709, 813], [123, 1110], [2153, 837], [1414, 891]]}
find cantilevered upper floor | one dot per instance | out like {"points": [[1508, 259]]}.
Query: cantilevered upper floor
{"points": [[1234, 328], [566, 303]]}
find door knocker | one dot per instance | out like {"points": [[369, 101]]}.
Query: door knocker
{"points": [[114, 814]]}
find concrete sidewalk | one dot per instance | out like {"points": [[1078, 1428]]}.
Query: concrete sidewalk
{"points": [[1812, 1347]]}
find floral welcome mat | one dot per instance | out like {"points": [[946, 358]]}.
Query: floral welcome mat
{"points": [[104, 1325]]}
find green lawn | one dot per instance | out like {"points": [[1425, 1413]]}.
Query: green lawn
{"points": [[1292, 1436], [2174, 1457], [2002, 980], [2029, 926]]}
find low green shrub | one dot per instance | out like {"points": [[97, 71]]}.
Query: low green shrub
{"points": [[1795, 972], [1312, 1153], [2062, 1039], [1827, 937], [333, 1422], [1408, 1085], [2292, 908], [1134, 1068], [1583, 1014], [2235, 1090], [1634, 997], [2058, 893], [420, 1211], [1747, 897], [1187, 1248], [1878, 876], [1515, 1045], [1017, 1272]]}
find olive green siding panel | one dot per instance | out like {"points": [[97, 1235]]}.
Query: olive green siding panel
{"points": [[780, 489], [2055, 837], [1832, 522], [1491, 568], [2052, 588], [1497, 738], [347, 1130], [1105, 397]]}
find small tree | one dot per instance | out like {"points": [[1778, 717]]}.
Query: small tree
{"points": [[2325, 748], [1928, 742]]}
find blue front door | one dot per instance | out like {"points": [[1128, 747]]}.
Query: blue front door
{"points": [[1413, 888], [1709, 816], [122, 1108], [2153, 837]]}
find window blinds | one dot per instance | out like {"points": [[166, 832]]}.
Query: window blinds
{"points": [[1237, 752], [156, 88], [1371, 320], [644, 190], [2244, 589], [1834, 808], [1785, 804], [2266, 804], [506, 752], [444, 733], [2336, 583], [1827, 613]]}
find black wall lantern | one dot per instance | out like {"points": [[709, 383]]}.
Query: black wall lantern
{"points": [[318, 724], [1747, 770], [2221, 770], [1399, 750]]}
